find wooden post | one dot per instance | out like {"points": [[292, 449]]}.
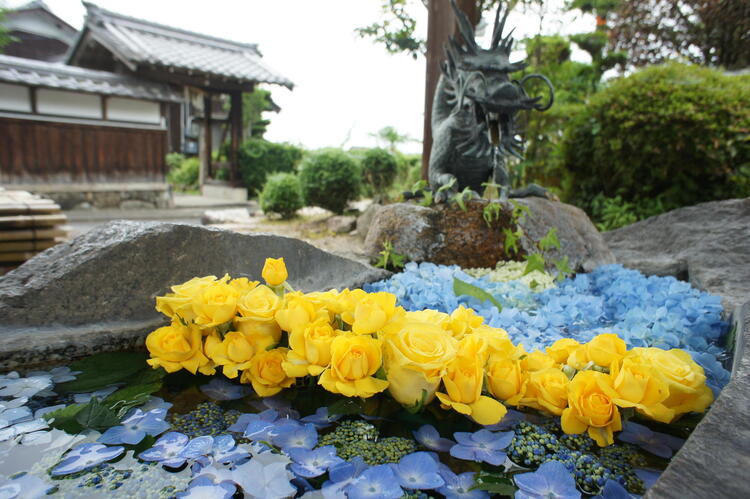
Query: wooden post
{"points": [[205, 142], [440, 25], [235, 118]]}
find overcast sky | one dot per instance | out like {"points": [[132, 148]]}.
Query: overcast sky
{"points": [[346, 88]]}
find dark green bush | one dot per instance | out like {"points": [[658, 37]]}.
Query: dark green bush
{"points": [[329, 179], [183, 172], [379, 169], [675, 133], [281, 194], [258, 158]]}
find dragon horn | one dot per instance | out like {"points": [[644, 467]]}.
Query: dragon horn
{"points": [[465, 28], [507, 42], [497, 33]]}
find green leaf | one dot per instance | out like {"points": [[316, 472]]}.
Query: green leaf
{"points": [[563, 268], [427, 199], [462, 288], [131, 396], [97, 416], [346, 407], [101, 370], [65, 418], [511, 241], [418, 406], [534, 261], [495, 483], [550, 240]]}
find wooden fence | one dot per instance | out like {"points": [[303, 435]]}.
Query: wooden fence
{"points": [[52, 152]]}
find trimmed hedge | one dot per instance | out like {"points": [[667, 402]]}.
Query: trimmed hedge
{"points": [[258, 158], [676, 133], [281, 194], [379, 169], [330, 179]]}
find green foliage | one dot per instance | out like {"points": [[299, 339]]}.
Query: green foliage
{"points": [[5, 38], [495, 483], [460, 198], [254, 104], [281, 194], [183, 172], [101, 370], [379, 169], [463, 288], [330, 179], [389, 259], [550, 240], [491, 213], [674, 133], [258, 158]]}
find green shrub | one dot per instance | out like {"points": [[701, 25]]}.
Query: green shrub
{"points": [[329, 179], [183, 172], [258, 158], [675, 133], [281, 194], [379, 169]]}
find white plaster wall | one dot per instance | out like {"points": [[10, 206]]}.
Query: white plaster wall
{"points": [[64, 103], [138, 111], [15, 98]]}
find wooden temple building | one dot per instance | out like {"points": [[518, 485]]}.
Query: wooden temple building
{"points": [[129, 92]]}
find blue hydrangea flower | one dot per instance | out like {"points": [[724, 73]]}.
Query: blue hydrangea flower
{"points": [[135, 428], [649, 477], [269, 416], [292, 436], [204, 488], [221, 389], [167, 450], [377, 482], [313, 463], [101, 394], [321, 419], [61, 374], [205, 450], [428, 436], [551, 479], [85, 456], [24, 485], [613, 490], [418, 470], [342, 475], [265, 476], [659, 444], [481, 446], [26, 428], [14, 415], [24, 387], [279, 404], [459, 486]]}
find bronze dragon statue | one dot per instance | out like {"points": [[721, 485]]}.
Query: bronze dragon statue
{"points": [[474, 112]]}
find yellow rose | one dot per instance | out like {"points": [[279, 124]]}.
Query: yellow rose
{"points": [[233, 353], [506, 380], [266, 373], [605, 349], [297, 312], [176, 346], [475, 347], [547, 390], [498, 343], [685, 380], [578, 357], [562, 348], [274, 271], [354, 361], [310, 349], [332, 300], [536, 361], [464, 320], [371, 313], [430, 316], [216, 304], [179, 303], [243, 285], [591, 409], [415, 358], [635, 384], [463, 382]]}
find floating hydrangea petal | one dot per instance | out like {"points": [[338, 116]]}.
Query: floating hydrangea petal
{"points": [[85, 456]]}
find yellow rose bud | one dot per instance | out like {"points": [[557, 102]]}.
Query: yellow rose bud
{"points": [[562, 348], [463, 382], [464, 320], [415, 358], [297, 312], [354, 361], [685, 380], [605, 349], [372, 313], [578, 357], [475, 347], [215, 305], [233, 353], [506, 380], [498, 343], [175, 347], [274, 271], [636, 384], [310, 348], [536, 361], [591, 409], [547, 390], [260, 303], [266, 373]]}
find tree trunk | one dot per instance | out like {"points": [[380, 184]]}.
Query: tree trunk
{"points": [[440, 25]]}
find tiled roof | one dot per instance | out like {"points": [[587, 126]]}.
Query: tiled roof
{"points": [[61, 76], [138, 42]]}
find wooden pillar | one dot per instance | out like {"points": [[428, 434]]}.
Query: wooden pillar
{"points": [[205, 142], [235, 118], [440, 25]]}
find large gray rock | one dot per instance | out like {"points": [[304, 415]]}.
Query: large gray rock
{"points": [[97, 292], [715, 459], [449, 235], [707, 244]]}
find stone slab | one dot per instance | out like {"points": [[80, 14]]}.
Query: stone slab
{"points": [[97, 291]]}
